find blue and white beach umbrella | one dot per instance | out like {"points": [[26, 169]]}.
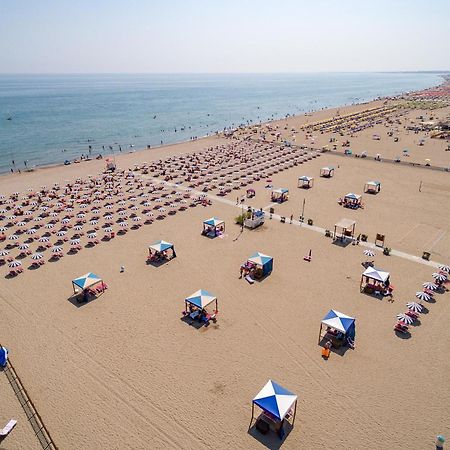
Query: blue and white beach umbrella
{"points": [[161, 246], [275, 399], [3, 356], [201, 298], [86, 280], [260, 258]]}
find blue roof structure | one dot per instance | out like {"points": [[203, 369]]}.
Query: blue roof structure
{"points": [[3, 356], [213, 221], [275, 399], [86, 280], [161, 246], [341, 322], [201, 298]]}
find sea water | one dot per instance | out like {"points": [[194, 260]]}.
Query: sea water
{"points": [[47, 119]]}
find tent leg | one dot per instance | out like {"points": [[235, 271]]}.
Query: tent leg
{"points": [[295, 413], [253, 412], [320, 332]]}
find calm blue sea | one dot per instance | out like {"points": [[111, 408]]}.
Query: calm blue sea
{"points": [[52, 113]]}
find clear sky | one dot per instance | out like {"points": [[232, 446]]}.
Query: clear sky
{"points": [[137, 36]]}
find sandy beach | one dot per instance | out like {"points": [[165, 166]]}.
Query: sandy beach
{"points": [[124, 371]]}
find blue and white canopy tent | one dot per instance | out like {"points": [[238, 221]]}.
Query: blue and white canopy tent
{"points": [[341, 323], [305, 182], [372, 187], [262, 261], [353, 198], [161, 246], [86, 281], [3, 356], [327, 172], [201, 299], [278, 404], [280, 195], [213, 225]]}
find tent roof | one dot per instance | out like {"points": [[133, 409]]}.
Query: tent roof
{"points": [[160, 246], [345, 223], [275, 399], [327, 168], [86, 280], [305, 178], [373, 183], [353, 196], [260, 258], [281, 190], [376, 274], [213, 221], [201, 298], [338, 321]]}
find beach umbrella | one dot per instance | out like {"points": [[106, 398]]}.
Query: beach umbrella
{"points": [[21, 224], [11, 217], [122, 213], [93, 222], [61, 233], [147, 204], [65, 220], [149, 214], [38, 219], [31, 231], [24, 246], [405, 319], [369, 253], [37, 256], [83, 206], [14, 263], [136, 219], [81, 215], [57, 249], [13, 237], [107, 230], [4, 252], [429, 285], [74, 242], [123, 224], [78, 227], [108, 217], [444, 268], [95, 211], [109, 206], [29, 213], [54, 214], [49, 226], [134, 208], [3, 229], [423, 296], [69, 209], [439, 276], [91, 235], [44, 239], [413, 306]]}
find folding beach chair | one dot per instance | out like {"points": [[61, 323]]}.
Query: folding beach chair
{"points": [[4, 432]]}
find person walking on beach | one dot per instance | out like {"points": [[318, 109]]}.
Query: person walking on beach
{"points": [[292, 217]]}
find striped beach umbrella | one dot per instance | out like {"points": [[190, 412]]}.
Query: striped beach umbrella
{"points": [[423, 296], [21, 224], [123, 224], [107, 230], [44, 239], [4, 252], [444, 268], [14, 263], [61, 233], [31, 231], [13, 237], [49, 226], [439, 276], [74, 242], [429, 285], [405, 318], [24, 246], [57, 249], [37, 256], [414, 306], [91, 235]]}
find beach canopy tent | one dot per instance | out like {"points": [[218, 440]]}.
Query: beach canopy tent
{"points": [[372, 187], [347, 226], [160, 246], [86, 281], [280, 195], [327, 172], [200, 299], [213, 226], [376, 278], [276, 402], [3, 356], [251, 193], [339, 322], [352, 198], [262, 262], [305, 182]]}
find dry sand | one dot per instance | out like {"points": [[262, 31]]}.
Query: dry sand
{"points": [[123, 371]]}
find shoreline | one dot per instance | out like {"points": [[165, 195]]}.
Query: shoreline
{"points": [[219, 134]]}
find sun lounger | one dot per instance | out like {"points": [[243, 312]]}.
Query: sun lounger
{"points": [[401, 328], [4, 432], [249, 279]]}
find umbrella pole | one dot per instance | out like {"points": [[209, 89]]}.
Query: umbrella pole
{"points": [[320, 331]]}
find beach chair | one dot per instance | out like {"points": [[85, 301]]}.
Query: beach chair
{"points": [[4, 432], [401, 328], [325, 353]]}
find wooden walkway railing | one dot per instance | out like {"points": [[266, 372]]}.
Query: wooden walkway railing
{"points": [[33, 416]]}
